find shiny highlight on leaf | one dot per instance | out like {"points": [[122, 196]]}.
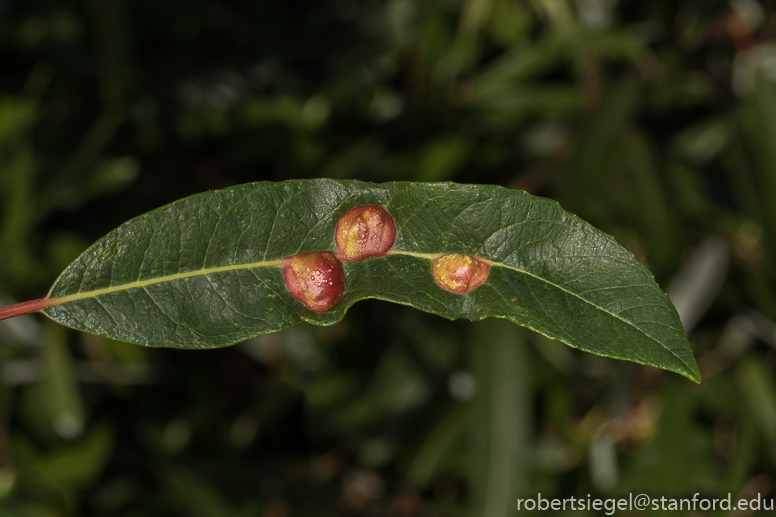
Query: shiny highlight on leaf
{"points": [[459, 274], [364, 232], [316, 279]]}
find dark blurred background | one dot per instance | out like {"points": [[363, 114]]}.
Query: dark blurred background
{"points": [[655, 121]]}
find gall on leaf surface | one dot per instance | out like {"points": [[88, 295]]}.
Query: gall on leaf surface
{"points": [[207, 271], [364, 232], [459, 274], [316, 279]]}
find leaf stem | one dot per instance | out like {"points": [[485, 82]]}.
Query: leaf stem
{"points": [[18, 309]]}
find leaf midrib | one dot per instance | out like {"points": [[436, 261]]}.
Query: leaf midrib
{"points": [[81, 295]]}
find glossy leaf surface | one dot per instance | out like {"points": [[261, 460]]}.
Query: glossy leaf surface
{"points": [[205, 271]]}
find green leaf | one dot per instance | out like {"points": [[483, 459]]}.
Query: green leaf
{"points": [[500, 427], [205, 271]]}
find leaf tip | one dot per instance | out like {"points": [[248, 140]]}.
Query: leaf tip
{"points": [[694, 374]]}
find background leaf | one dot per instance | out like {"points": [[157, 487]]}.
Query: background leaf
{"points": [[202, 272], [501, 419]]}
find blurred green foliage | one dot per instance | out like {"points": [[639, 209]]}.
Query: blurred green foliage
{"points": [[655, 121]]}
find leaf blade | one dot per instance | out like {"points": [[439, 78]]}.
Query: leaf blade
{"points": [[204, 271]]}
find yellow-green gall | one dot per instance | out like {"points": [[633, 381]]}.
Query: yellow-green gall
{"points": [[459, 274], [364, 232], [316, 279]]}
